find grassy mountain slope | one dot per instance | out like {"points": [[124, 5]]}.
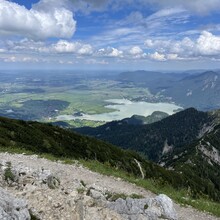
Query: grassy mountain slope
{"points": [[153, 140], [43, 138]]}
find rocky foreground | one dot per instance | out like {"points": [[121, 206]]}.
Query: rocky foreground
{"points": [[35, 188]]}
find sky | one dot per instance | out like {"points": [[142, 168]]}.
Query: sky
{"points": [[110, 34]]}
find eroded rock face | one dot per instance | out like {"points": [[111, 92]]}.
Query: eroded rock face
{"points": [[12, 208]]}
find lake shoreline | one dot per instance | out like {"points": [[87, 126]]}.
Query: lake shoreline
{"points": [[124, 108]]}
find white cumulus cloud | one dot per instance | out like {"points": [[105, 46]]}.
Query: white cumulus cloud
{"points": [[110, 52], [60, 47], [157, 56], [36, 23], [206, 45], [22, 59], [136, 50], [63, 46]]}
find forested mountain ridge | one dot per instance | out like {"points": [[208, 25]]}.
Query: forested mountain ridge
{"points": [[154, 140]]}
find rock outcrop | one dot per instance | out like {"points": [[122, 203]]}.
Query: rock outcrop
{"points": [[12, 208], [160, 207]]}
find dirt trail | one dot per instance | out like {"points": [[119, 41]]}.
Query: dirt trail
{"points": [[69, 173]]}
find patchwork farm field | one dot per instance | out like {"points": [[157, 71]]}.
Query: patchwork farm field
{"points": [[43, 96]]}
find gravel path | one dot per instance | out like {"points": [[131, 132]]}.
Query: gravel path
{"points": [[69, 173]]}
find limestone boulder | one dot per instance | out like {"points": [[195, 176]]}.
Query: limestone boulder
{"points": [[12, 208]]}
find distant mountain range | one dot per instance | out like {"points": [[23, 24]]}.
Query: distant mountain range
{"points": [[199, 90]]}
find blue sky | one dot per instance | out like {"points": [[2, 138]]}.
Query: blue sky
{"points": [[110, 34]]}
